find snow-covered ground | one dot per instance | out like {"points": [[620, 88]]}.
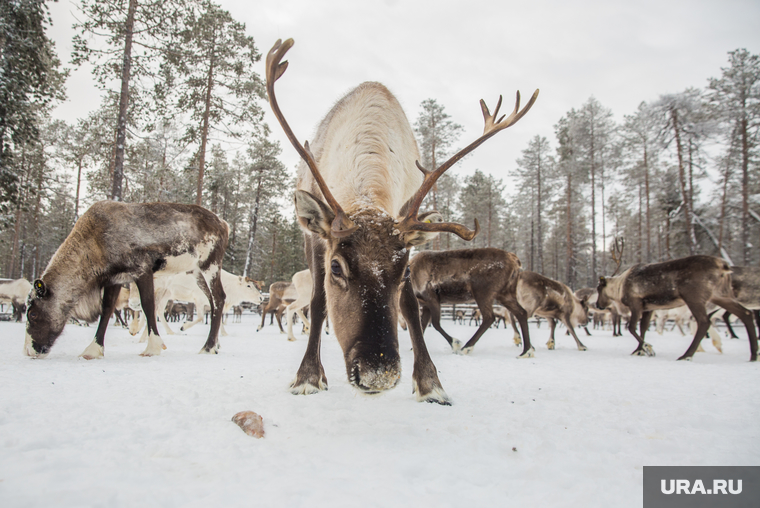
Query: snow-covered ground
{"points": [[567, 428]]}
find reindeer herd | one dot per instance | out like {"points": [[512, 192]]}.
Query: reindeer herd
{"points": [[358, 198]]}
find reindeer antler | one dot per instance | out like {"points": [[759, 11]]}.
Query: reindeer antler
{"points": [[616, 251], [341, 226], [410, 222]]}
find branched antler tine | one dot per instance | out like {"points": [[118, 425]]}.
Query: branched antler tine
{"points": [[410, 223], [419, 166], [341, 225]]}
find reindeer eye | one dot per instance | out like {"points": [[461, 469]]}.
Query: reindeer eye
{"points": [[336, 269]]}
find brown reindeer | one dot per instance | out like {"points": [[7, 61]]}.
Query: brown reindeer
{"points": [[280, 295], [358, 200], [114, 243], [553, 300], [694, 281], [460, 276]]}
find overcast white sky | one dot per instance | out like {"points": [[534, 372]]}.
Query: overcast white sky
{"points": [[457, 52]]}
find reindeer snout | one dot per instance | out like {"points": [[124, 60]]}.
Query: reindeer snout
{"points": [[371, 377]]}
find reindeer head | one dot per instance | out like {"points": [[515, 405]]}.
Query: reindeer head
{"points": [[616, 252], [45, 320], [366, 251]]}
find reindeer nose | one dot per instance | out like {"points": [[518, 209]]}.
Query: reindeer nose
{"points": [[372, 379]]}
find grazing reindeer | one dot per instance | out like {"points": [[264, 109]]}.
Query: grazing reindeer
{"points": [[476, 316], [113, 243], [458, 317], [693, 281], [553, 300], [363, 159], [281, 294], [459, 276]]}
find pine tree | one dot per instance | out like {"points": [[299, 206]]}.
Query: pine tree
{"points": [[209, 75]]}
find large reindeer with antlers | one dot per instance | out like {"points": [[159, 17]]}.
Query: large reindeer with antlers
{"points": [[364, 156], [693, 281]]}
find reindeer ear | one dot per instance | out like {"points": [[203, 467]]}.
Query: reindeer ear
{"points": [[40, 288], [415, 238], [314, 215]]}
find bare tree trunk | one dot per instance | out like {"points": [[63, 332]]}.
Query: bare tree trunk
{"points": [[540, 264], [723, 200], [745, 192], [569, 269], [648, 257], [204, 133], [121, 124], [640, 220], [593, 204], [254, 219], [274, 247], [682, 180], [79, 184]]}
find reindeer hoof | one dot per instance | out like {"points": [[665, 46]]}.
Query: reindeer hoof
{"points": [[307, 388], [685, 358], [456, 346], [530, 353], [93, 352], [648, 349], [463, 351], [292, 339], [213, 351], [583, 348], [435, 395], [550, 345]]}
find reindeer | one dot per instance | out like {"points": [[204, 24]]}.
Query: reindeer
{"points": [[363, 159], [182, 286], [553, 300], [693, 281], [303, 286], [281, 294], [459, 276], [476, 316], [15, 292], [114, 243]]}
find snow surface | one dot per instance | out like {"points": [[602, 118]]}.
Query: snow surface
{"points": [[567, 428]]}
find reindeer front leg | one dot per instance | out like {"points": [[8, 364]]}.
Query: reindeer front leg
{"points": [[310, 377], [148, 302], [95, 349], [643, 349], [425, 380]]}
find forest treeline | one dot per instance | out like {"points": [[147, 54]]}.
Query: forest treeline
{"points": [[181, 120]]}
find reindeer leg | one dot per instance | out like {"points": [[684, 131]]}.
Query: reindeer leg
{"points": [[745, 315], [516, 337], [310, 377], [552, 326], [643, 349], [703, 323], [95, 349], [148, 302], [278, 315], [732, 334], [578, 342], [305, 321], [263, 319], [210, 283], [425, 380], [485, 304], [520, 314], [434, 311]]}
